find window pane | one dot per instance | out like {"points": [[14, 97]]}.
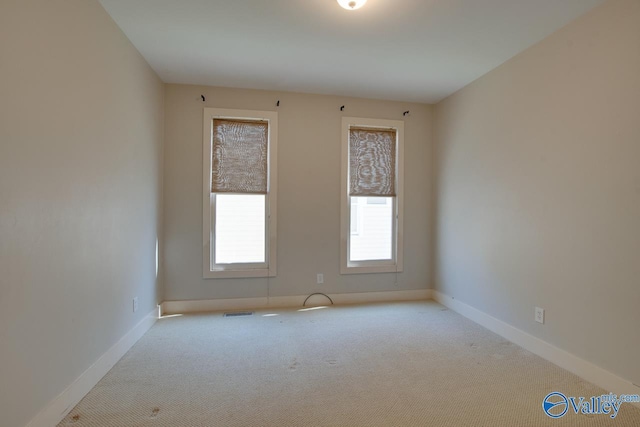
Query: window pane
{"points": [[377, 200], [354, 223], [375, 230], [240, 228]]}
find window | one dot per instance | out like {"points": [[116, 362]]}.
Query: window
{"points": [[372, 190], [239, 189]]}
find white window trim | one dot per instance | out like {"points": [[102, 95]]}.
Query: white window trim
{"points": [[385, 266], [239, 270]]}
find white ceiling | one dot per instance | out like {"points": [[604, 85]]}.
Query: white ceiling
{"points": [[408, 50]]}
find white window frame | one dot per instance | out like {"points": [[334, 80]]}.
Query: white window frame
{"points": [[267, 269], [371, 266]]}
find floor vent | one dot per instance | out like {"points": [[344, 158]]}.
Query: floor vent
{"points": [[239, 313]]}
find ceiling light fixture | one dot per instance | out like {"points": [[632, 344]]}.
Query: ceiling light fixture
{"points": [[352, 4]]}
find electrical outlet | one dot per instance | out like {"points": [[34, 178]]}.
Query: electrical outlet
{"points": [[320, 279], [539, 316], [135, 304]]}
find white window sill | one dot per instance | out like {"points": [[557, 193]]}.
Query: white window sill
{"points": [[370, 269], [237, 274]]}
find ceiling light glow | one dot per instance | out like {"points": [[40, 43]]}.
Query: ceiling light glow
{"points": [[352, 4]]}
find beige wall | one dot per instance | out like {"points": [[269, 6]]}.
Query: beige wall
{"points": [[538, 189], [80, 195], [308, 194]]}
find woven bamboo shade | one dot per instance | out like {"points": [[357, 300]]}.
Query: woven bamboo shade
{"points": [[239, 156], [372, 162]]}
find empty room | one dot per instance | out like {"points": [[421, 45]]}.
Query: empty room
{"points": [[319, 213]]}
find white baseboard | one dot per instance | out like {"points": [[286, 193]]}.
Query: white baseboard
{"points": [[196, 306], [580, 367], [59, 407]]}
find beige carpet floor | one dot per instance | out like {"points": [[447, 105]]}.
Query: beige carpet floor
{"points": [[398, 364]]}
